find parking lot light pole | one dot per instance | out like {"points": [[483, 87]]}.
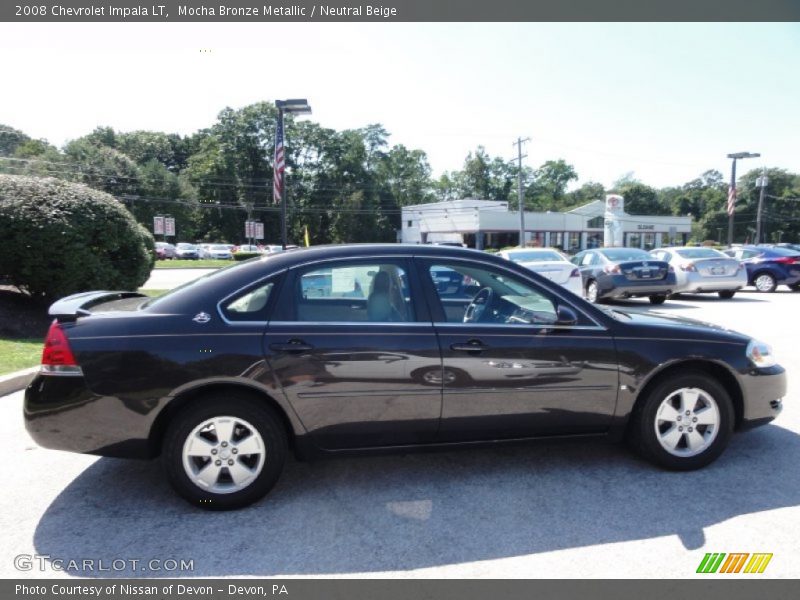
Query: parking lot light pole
{"points": [[297, 106], [732, 189]]}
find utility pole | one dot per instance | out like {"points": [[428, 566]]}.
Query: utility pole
{"points": [[762, 183], [520, 156], [731, 207]]}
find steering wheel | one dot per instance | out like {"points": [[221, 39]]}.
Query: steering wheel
{"points": [[477, 308]]}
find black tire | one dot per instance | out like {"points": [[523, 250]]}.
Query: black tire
{"points": [[727, 294], [592, 291], [642, 430], [770, 283], [658, 299], [795, 287], [234, 404]]}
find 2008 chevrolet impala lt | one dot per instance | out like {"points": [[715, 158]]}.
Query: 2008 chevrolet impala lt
{"points": [[341, 349]]}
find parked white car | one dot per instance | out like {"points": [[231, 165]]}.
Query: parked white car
{"points": [[216, 251], [701, 270], [550, 263]]}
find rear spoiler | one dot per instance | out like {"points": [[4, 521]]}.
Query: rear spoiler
{"points": [[78, 305]]}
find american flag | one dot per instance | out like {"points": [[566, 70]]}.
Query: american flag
{"points": [[731, 199], [280, 165]]}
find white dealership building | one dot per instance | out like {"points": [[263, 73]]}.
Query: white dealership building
{"points": [[490, 224]]}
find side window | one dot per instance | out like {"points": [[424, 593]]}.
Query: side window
{"points": [[589, 259], [250, 305], [480, 294], [577, 259], [354, 293]]}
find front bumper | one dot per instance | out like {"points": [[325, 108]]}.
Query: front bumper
{"points": [[61, 413], [763, 391]]}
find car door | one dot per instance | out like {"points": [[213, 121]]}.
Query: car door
{"points": [[353, 348], [508, 371]]}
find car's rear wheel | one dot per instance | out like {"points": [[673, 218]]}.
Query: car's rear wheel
{"points": [[658, 299], [592, 292], [765, 282], [795, 287], [683, 423], [224, 451], [726, 294]]}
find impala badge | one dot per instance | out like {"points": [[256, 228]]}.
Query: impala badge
{"points": [[202, 318]]}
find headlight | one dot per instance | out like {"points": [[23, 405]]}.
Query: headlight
{"points": [[760, 354]]}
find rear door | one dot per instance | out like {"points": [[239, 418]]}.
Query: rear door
{"points": [[353, 348]]}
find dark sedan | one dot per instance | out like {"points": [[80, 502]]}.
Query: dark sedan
{"points": [[352, 349], [768, 267], [613, 273]]}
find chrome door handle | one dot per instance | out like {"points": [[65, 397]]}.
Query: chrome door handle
{"points": [[291, 346]]}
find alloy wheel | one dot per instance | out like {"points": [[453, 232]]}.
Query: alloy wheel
{"points": [[223, 454], [687, 422]]}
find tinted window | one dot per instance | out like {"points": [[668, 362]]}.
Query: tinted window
{"points": [[354, 293], [502, 297], [782, 252]]}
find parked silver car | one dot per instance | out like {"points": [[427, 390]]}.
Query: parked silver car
{"points": [[549, 263], [215, 251], [701, 270]]}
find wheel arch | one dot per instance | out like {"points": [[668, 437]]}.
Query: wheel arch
{"points": [[184, 396], [719, 371]]}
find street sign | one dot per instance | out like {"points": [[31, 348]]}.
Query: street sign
{"points": [[158, 225], [248, 229], [169, 227], [259, 231]]}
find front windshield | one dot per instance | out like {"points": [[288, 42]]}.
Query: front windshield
{"points": [[623, 254]]}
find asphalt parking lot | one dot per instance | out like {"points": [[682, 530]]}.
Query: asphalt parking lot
{"points": [[548, 510]]}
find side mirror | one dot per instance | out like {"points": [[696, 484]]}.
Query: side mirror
{"points": [[566, 316]]}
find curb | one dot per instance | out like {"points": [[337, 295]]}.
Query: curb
{"points": [[14, 382]]}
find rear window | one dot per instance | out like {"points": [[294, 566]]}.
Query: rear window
{"points": [[699, 253], [541, 255], [622, 254]]}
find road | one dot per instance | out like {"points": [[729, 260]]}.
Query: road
{"points": [[166, 279], [548, 510]]}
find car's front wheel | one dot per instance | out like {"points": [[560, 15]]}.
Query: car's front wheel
{"points": [[726, 294], [684, 422], [224, 451], [658, 299]]}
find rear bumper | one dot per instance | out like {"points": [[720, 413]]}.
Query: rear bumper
{"points": [[61, 413], [763, 391], [621, 287], [696, 283]]}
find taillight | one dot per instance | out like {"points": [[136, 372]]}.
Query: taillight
{"points": [[575, 273], [689, 267], [786, 260], [611, 269], [57, 356]]}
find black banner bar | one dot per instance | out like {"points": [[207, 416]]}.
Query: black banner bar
{"points": [[396, 589], [398, 10]]}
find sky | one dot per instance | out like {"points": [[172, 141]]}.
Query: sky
{"points": [[663, 102]]}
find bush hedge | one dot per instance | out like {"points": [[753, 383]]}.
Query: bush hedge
{"points": [[239, 256], [60, 238]]}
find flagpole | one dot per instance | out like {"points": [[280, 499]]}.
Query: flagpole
{"points": [[284, 235]]}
